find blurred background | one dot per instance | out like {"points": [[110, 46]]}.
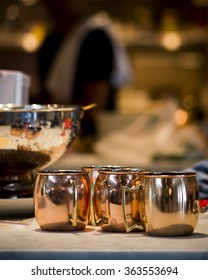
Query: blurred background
{"points": [[167, 43]]}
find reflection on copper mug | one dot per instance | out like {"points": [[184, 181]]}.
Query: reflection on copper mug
{"points": [[62, 199], [171, 202], [116, 199]]}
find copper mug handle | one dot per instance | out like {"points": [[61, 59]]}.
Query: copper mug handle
{"points": [[124, 190], [92, 211], [96, 222], [72, 218]]}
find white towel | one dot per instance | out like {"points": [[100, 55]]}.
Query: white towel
{"points": [[61, 75]]}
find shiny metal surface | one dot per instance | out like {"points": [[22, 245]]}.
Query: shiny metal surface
{"points": [[110, 210], [33, 137], [171, 202], [62, 199]]}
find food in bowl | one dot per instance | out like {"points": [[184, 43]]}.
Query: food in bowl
{"points": [[33, 137]]}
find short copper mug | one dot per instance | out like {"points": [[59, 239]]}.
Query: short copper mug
{"points": [[62, 199], [171, 202], [116, 202]]}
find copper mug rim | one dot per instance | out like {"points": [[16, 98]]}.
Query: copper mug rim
{"points": [[170, 174], [125, 171], [61, 172]]}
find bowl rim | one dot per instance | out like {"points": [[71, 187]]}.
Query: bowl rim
{"points": [[13, 108]]}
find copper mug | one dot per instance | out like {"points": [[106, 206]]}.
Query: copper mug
{"points": [[93, 171], [116, 202], [171, 202], [62, 199]]}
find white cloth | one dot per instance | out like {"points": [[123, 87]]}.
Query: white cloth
{"points": [[152, 134], [61, 75]]}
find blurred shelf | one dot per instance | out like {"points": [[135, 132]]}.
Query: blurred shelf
{"points": [[19, 41], [167, 41], [134, 38]]}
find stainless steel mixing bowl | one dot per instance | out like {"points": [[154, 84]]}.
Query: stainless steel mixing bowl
{"points": [[33, 137]]}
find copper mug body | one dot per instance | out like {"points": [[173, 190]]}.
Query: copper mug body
{"points": [[171, 202], [62, 199], [116, 200]]}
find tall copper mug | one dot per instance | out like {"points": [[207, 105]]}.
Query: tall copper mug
{"points": [[115, 200], [62, 199], [171, 202]]}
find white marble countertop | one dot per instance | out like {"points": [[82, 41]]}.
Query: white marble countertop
{"points": [[23, 239]]}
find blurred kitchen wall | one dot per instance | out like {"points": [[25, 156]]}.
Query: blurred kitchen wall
{"points": [[166, 42]]}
